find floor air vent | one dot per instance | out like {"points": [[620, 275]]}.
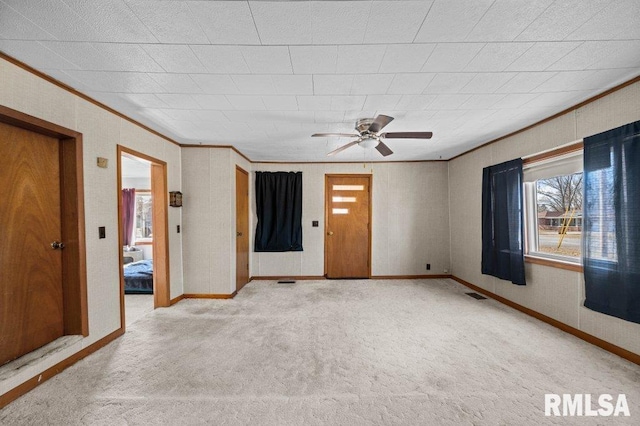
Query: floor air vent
{"points": [[287, 282], [476, 296]]}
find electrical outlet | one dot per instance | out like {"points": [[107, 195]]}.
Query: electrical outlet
{"points": [[102, 233], [428, 266], [178, 228]]}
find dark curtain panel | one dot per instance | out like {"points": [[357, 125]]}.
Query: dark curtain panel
{"points": [[502, 222], [128, 214], [279, 209], [611, 234]]}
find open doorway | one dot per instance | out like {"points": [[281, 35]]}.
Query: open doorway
{"points": [[143, 235]]}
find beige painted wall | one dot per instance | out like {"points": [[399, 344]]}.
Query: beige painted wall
{"points": [[209, 211], [410, 219], [554, 292], [102, 132]]}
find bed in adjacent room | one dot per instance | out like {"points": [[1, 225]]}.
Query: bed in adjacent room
{"points": [[138, 277]]}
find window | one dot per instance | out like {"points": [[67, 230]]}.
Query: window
{"points": [[348, 187], [143, 230], [602, 236], [553, 207]]}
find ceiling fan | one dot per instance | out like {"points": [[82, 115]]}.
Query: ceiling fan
{"points": [[369, 135]]}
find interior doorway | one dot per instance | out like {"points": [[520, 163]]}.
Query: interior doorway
{"points": [[348, 226], [42, 257], [143, 234]]}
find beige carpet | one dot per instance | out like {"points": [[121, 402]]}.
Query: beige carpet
{"points": [[332, 352], [137, 306]]}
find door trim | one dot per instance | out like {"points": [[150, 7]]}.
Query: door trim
{"points": [[159, 193], [326, 213], [241, 170], [74, 261]]}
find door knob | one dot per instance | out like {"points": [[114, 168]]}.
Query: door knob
{"points": [[330, 233], [57, 245], [238, 234]]}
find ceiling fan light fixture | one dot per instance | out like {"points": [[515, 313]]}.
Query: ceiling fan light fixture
{"points": [[369, 143], [369, 135]]}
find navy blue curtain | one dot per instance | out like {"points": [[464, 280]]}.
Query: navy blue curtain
{"points": [[502, 222], [611, 233], [279, 210]]}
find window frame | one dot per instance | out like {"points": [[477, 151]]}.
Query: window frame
{"points": [[532, 255]]}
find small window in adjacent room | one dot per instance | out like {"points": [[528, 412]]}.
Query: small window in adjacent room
{"points": [[143, 229], [553, 190]]}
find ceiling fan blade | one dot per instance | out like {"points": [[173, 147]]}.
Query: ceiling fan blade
{"points": [[379, 122], [342, 148], [407, 135], [342, 135], [383, 149]]}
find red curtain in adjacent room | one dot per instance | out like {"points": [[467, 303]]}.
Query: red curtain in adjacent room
{"points": [[128, 214]]}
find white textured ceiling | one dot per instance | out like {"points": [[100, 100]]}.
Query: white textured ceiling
{"points": [[264, 75]]}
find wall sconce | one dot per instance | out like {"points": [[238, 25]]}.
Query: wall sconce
{"points": [[175, 199]]}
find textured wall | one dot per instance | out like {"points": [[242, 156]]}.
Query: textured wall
{"points": [[554, 292], [209, 211], [410, 219], [102, 132]]}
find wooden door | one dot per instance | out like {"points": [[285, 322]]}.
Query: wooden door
{"points": [[31, 296], [242, 228], [348, 231]]}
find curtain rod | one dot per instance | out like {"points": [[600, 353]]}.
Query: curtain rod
{"points": [[559, 147]]}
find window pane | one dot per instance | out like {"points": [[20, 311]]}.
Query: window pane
{"points": [[143, 216], [343, 199], [348, 187], [340, 211], [559, 211], [602, 238]]}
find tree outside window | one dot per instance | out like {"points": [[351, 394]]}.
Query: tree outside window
{"points": [[559, 214]]}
